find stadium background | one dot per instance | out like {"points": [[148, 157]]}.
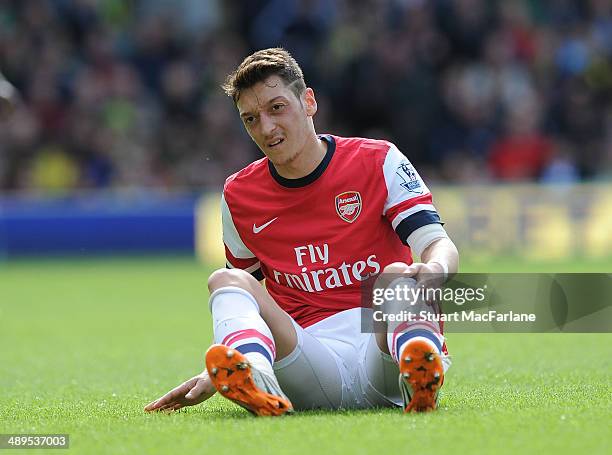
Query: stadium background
{"points": [[113, 157], [122, 125]]}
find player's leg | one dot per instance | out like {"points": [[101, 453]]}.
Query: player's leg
{"points": [[415, 346], [310, 374], [378, 374], [227, 286], [250, 331]]}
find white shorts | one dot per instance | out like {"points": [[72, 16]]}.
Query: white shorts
{"points": [[335, 365]]}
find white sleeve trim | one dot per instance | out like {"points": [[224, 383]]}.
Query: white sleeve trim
{"points": [[250, 269], [401, 186], [425, 236], [231, 238]]}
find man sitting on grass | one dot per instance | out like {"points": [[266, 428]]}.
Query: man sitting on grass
{"points": [[315, 218]]}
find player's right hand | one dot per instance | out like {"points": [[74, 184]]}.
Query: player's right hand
{"points": [[189, 393]]}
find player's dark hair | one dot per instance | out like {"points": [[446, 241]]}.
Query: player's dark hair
{"points": [[262, 64]]}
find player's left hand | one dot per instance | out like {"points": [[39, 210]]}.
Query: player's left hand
{"points": [[189, 393]]}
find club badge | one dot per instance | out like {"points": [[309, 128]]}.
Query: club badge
{"points": [[348, 205]]}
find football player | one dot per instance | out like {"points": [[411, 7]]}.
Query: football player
{"points": [[312, 220]]}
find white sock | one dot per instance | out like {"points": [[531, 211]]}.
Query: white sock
{"points": [[399, 333], [238, 324]]}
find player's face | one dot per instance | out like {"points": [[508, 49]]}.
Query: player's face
{"points": [[276, 119]]}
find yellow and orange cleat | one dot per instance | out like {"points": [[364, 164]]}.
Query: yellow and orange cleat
{"points": [[421, 376], [235, 379]]}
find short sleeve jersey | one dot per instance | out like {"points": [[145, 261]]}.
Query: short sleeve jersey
{"points": [[316, 238]]}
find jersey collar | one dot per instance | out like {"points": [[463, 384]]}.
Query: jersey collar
{"points": [[307, 179]]}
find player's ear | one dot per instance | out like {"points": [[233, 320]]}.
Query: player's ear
{"points": [[309, 101]]}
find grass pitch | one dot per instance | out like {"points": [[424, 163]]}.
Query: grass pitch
{"points": [[85, 344]]}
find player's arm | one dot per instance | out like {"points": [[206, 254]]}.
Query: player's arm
{"points": [[439, 259], [410, 210], [237, 254], [189, 393], [442, 252]]}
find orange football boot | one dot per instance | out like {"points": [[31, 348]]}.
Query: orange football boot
{"points": [[421, 376], [235, 379]]}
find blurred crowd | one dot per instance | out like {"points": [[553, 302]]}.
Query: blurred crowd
{"points": [[125, 93]]}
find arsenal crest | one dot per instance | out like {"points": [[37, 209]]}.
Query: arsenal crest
{"points": [[348, 205]]}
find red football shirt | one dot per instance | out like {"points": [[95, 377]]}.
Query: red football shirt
{"points": [[314, 239]]}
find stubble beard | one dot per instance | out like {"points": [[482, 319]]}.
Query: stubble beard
{"points": [[287, 160], [284, 161]]}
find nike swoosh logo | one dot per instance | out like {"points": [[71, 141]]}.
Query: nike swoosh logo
{"points": [[258, 229]]}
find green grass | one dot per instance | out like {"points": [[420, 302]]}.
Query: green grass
{"points": [[85, 344]]}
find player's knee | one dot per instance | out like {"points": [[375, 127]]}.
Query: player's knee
{"points": [[396, 267], [230, 277]]}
